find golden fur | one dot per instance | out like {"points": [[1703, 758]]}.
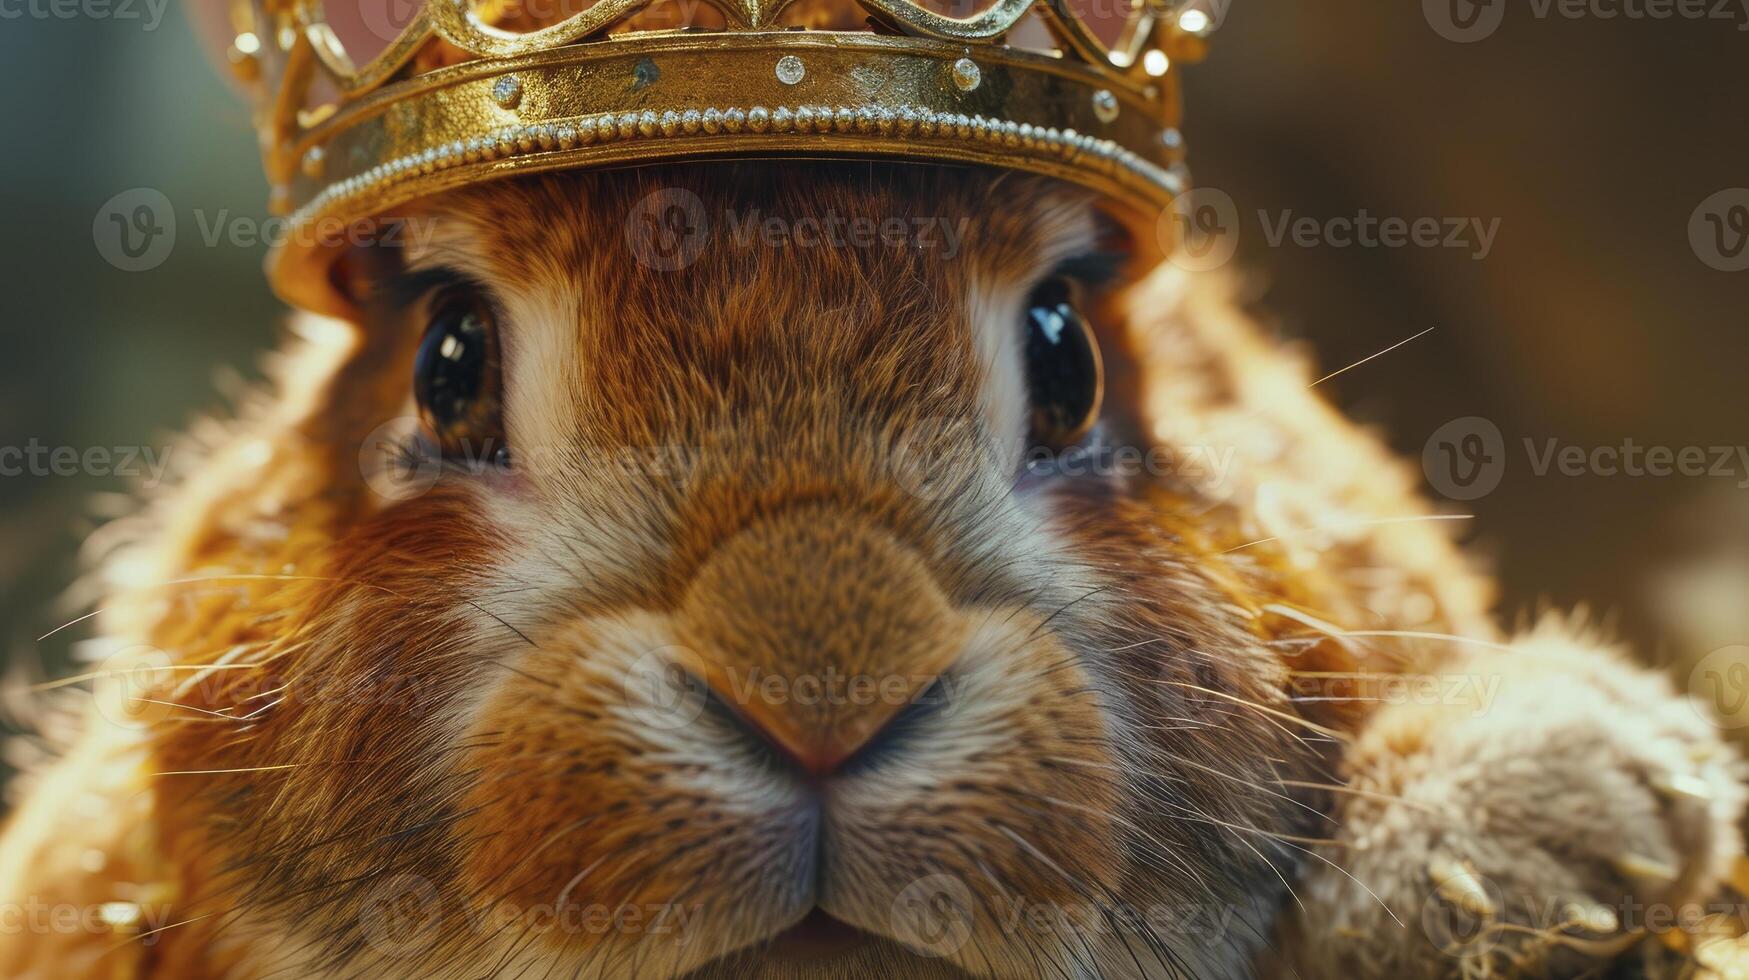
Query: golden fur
{"points": [[430, 718]]}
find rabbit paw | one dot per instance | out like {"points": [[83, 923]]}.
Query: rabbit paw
{"points": [[1538, 828]]}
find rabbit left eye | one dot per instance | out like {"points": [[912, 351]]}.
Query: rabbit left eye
{"points": [[1064, 375], [456, 376]]}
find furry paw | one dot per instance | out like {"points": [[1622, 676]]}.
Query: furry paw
{"points": [[1541, 828]]}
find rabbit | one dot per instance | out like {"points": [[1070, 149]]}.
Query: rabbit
{"points": [[708, 570]]}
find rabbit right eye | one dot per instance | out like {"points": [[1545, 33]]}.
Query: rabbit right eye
{"points": [[456, 378], [1064, 374]]}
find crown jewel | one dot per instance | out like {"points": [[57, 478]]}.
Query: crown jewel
{"points": [[358, 115]]}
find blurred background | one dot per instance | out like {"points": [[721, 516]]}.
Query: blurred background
{"points": [[1599, 313]]}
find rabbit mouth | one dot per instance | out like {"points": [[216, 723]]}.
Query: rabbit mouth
{"points": [[818, 935]]}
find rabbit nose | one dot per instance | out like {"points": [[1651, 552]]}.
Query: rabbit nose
{"points": [[815, 746], [817, 628]]}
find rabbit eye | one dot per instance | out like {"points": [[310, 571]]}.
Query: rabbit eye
{"points": [[1064, 376], [455, 377]]}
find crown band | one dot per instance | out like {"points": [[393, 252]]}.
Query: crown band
{"points": [[672, 95]]}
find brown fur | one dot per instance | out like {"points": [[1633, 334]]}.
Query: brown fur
{"points": [[1150, 682]]}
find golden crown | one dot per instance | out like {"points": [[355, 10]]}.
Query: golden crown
{"points": [[363, 108]]}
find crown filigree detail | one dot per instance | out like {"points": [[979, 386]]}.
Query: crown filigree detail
{"points": [[468, 91]]}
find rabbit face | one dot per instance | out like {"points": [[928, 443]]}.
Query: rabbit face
{"points": [[749, 634]]}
